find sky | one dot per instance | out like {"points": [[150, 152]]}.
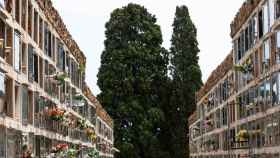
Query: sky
{"points": [[85, 20]]}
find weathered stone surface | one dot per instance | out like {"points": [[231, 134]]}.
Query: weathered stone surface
{"points": [[243, 14], [57, 22]]}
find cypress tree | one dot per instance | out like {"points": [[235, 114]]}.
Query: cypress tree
{"points": [[186, 79]]}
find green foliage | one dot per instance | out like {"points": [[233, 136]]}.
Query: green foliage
{"points": [[60, 78], [186, 80], [93, 153], [82, 68], [78, 97], [245, 68], [149, 109], [133, 66], [71, 153]]}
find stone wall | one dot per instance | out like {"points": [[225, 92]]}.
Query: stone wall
{"points": [[53, 16]]}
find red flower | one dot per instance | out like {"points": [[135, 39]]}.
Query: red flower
{"points": [[59, 148], [56, 113]]}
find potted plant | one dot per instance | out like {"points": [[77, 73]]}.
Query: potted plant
{"points": [[56, 114]]}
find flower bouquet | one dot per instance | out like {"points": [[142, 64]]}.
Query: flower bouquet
{"points": [[81, 124], [60, 78], [242, 136], [60, 148], [68, 120], [245, 68], [208, 123], [63, 150], [56, 114], [91, 134]]}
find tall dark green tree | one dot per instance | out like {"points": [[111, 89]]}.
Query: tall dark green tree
{"points": [[186, 79], [133, 66]]}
